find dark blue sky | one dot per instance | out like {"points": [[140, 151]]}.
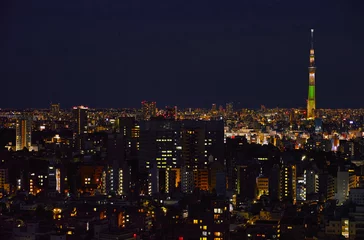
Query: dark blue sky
{"points": [[105, 53]]}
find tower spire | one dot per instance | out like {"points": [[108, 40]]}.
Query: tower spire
{"points": [[311, 102]]}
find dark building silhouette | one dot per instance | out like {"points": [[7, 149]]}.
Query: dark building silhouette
{"points": [[79, 127], [275, 183]]}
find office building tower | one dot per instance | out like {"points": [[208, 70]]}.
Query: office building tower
{"points": [[160, 147], [80, 119], [246, 180], [189, 144], [118, 170], [129, 128], [311, 102], [55, 110], [311, 180], [326, 186], [149, 110], [80, 126], [345, 181], [160, 143], [153, 180], [234, 151], [187, 181], [202, 143], [193, 148], [23, 133], [288, 182]]}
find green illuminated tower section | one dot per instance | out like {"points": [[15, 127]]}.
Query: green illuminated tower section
{"points": [[311, 102]]}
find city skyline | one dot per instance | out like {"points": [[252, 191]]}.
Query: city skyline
{"points": [[181, 120], [191, 56]]}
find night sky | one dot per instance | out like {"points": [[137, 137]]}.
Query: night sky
{"points": [[104, 53]]}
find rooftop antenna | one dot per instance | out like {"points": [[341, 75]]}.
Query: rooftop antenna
{"points": [[312, 30]]}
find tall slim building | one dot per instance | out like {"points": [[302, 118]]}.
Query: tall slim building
{"points": [[80, 126], [129, 129], [311, 101], [274, 186], [118, 170], [23, 133], [288, 182]]}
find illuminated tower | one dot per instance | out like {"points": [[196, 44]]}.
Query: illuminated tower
{"points": [[23, 132], [311, 102]]}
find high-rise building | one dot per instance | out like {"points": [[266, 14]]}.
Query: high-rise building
{"points": [[187, 181], [308, 185], [345, 181], [311, 102], [202, 143], [193, 148], [55, 108], [80, 126], [149, 110], [129, 128], [246, 181], [80, 119], [171, 145], [311, 178], [233, 153], [117, 167], [288, 182], [23, 133], [160, 152], [274, 183], [326, 186]]}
